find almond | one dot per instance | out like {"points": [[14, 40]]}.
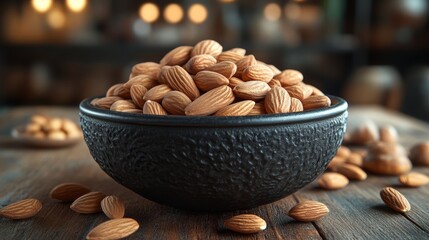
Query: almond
{"points": [[388, 133], [210, 102], [233, 82], [245, 223], [153, 108], [277, 101], [315, 101], [343, 151], [175, 102], [244, 63], [137, 92], [316, 91], [121, 91], [206, 80], [209, 47], [240, 51], [274, 83], [335, 163], [144, 80], [199, 63], [289, 77], [355, 159], [177, 56], [414, 179], [180, 80], [419, 154], [237, 109], [258, 109], [274, 69], [111, 91], [157, 93], [22, 209], [395, 200], [299, 91], [352, 172], [295, 105], [258, 72], [252, 90], [162, 76], [308, 211], [229, 56], [114, 229], [333, 181], [366, 133], [105, 102], [150, 69], [225, 68], [68, 192], [113, 207], [88, 203], [122, 105]]}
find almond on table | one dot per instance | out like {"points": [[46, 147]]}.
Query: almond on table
{"points": [[197, 70]]}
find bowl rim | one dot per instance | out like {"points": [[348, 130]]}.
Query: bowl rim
{"points": [[338, 107]]}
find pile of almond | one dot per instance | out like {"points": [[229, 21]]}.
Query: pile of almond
{"points": [[52, 128], [204, 80]]}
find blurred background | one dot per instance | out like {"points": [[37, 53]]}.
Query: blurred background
{"points": [[58, 52]]}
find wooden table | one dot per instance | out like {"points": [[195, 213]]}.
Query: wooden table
{"points": [[356, 212]]}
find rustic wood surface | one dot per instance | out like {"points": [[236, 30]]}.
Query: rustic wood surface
{"points": [[356, 212]]}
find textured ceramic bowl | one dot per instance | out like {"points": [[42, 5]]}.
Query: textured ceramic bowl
{"points": [[214, 163]]}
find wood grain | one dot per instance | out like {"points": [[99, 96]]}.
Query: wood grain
{"points": [[356, 212]]}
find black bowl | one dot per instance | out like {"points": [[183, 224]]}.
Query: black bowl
{"points": [[214, 163]]}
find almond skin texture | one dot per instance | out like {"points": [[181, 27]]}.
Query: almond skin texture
{"points": [[114, 229], [258, 109], [414, 179], [274, 83], [225, 68], [144, 80], [157, 93], [209, 47], [177, 56], [299, 91], [289, 77], [180, 80], [122, 105], [153, 108], [206, 80], [333, 181], [121, 91], [274, 69], [352, 172], [295, 105], [308, 211], [210, 102], [395, 200], [105, 102], [199, 63], [243, 64], [237, 109], [137, 92], [88, 203], [313, 102], [252, 90], [246, 223], [150, 69], [22, 209], [229, 56], [175, 102], [258, 72], [277, 101], [113, 207], [233, 82], [68, 192], [240, 51], [111, 91]]}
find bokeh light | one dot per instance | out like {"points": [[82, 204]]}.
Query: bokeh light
{"points": [[76, 5], [173, 13], [56, 19], [41, 6], [197, 13], [272, 12], [149, 12]]}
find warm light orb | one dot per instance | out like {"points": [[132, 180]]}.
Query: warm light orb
{"points": [[292, 11], [272, 12], [173, 13], [149, 12], [56, 19], [197, 13], [41, 5], [76, 5]]}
